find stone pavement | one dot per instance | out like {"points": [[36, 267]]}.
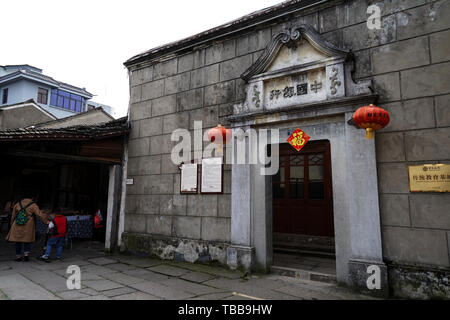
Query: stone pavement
{"points": [[126, 277]]}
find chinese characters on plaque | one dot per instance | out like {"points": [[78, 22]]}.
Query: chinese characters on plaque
{"points": [[299, 88], [429, 178], [211, 177]]}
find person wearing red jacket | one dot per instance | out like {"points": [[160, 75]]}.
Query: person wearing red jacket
{"points": [[57, 229]]}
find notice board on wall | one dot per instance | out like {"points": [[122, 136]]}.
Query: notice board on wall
{"points": [[212, 175], [188, 179]]}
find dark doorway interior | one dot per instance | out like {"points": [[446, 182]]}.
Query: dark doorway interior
{"points": [[78, 189], [68, 168], [303, 207]]}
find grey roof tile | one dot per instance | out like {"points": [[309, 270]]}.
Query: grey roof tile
{"points": [[81, 132]]}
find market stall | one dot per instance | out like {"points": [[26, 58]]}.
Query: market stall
{"points": [[69, 169]]}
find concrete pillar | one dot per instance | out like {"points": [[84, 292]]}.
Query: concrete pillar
{"points": [[262, 219], [340, 202], [113, 197], [240, 204], [363, 211], [121, 226], [240, 253]]}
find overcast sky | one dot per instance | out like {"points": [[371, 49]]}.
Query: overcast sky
{"points": [[85, 42]]}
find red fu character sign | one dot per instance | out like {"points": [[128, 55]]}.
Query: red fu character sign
{"points": [[298, 139]]}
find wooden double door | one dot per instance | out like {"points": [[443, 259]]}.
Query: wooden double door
{"points": [[302, 191]]}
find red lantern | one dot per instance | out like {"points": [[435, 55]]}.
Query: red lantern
{"points": [[371, 118], [217, 132]]}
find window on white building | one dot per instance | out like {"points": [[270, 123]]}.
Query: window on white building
{"points": [[42, 96], [5, 96]]}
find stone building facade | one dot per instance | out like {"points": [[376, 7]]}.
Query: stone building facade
{"points": [[225, 76]]}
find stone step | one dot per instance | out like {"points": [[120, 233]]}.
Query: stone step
{"points": [[312, 252], [303, 274], [299, 239], [313, 246], [304, 243]]}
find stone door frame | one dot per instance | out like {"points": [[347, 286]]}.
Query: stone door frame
{"points": [[355, 196], [353, 158]]}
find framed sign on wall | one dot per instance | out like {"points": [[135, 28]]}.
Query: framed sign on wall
{"points": [[188, 178], [429, 178], [211, 175]]}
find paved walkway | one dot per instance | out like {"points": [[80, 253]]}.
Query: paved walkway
{"points": [[129, 277]]}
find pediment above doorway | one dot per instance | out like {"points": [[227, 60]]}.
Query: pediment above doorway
{"points": [[298, 68]]}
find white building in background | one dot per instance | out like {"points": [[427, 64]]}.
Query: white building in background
{"points": [[19, 83]]}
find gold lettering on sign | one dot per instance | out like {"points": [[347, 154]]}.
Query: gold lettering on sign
{"points": [[429, 178]]}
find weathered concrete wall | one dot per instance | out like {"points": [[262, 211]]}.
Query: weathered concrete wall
{"points": [[172, 248], [22, 117], [409, 62], [407, 59], [165, 96]]}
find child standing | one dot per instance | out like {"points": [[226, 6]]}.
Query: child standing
{"points": [[98, 226], [57, 229]]}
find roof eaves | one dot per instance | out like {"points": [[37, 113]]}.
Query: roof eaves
{"points": [[77, 89], [113, 128], [10, 76], [71, 117], [31, 76], [19, 65]]}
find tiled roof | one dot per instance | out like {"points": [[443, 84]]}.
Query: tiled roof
{"points": [[78, 115], [113, 128], [15, 66], [244, 22]]}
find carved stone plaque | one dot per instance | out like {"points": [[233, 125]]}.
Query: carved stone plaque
{"points": [[295, 89], [298, 67]]}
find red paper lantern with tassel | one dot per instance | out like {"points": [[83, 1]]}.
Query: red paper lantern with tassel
{"points": [[371, 118], [217, 132]]}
